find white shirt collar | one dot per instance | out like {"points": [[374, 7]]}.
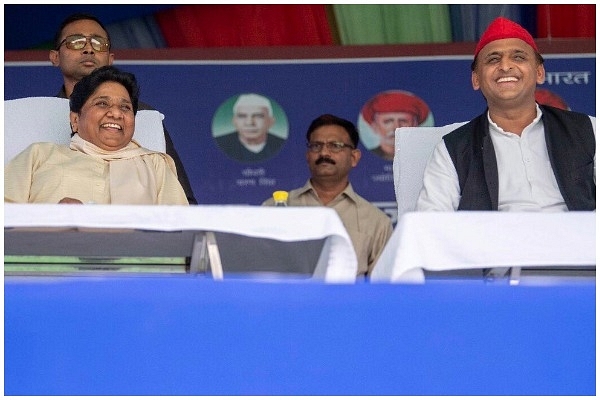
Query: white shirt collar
{"points": [[498, 129]]}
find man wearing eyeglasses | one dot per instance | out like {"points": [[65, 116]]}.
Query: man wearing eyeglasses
{"points": [[82, 44], [331, 154]]}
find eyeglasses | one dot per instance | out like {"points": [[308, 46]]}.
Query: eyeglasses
{"points": [[334, 147], [78, 42]]}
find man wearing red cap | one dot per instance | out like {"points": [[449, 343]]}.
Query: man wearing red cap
{"points": [[518, 155], [390, 110]]}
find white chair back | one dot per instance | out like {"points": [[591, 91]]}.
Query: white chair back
{"points": [[414, 146], [46, 119]]}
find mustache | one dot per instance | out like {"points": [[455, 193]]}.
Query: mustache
{"points": [[322, 160]]}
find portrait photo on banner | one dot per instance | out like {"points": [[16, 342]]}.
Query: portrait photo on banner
{"points": [[386, 111], [250, 127]]}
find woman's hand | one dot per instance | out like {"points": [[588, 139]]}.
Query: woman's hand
{"points": [[69, 200]]}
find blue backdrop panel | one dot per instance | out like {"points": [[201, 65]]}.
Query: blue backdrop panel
{"points": [[190, 92], [194, 336]]}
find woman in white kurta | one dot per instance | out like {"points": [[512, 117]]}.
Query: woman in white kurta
{"points": [[102, 164]]}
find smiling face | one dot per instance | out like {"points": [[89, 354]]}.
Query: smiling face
{"points": [[507, 73], [106, 119]]}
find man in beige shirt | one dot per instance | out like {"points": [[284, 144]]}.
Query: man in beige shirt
{"points": [[331, 155]]}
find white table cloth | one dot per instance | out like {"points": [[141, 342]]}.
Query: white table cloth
{"points": [[438, 241], [337, 262]]}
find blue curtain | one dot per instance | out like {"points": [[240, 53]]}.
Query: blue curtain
{"points": [[469, 21], [136, 33]]}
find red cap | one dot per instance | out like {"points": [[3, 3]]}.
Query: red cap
{"points": [[502, 28], [395, 101]]}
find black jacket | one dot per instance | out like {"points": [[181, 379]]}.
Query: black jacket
{"points": [[571, 148]]}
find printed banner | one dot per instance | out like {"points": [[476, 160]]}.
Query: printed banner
{"points": [[209, 104]]}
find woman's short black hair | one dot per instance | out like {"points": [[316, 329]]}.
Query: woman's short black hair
{"points": [[329, 119], [88, 85]]}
